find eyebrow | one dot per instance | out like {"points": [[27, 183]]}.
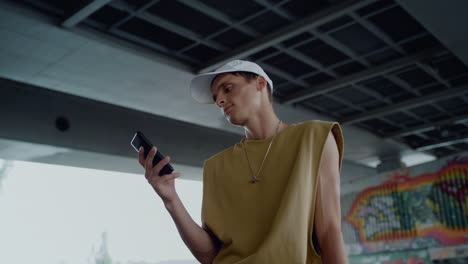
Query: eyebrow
{"points": [[219, 87]]}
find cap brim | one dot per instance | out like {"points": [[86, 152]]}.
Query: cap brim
{"points": [[200, 87]]}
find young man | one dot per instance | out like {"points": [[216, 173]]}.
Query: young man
{"points": [[272, 198]]}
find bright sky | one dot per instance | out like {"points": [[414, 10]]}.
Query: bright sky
{"points": [[56, 215]]}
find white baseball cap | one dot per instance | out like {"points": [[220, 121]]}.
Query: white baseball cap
{"points": [[200, 86]]}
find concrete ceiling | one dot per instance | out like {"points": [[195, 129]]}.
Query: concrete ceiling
{"points": [[37, 53]]}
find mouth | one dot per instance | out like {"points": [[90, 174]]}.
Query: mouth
{"points": [[227, 109]]}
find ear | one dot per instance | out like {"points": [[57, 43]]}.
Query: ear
{"points": [[261, 83]]}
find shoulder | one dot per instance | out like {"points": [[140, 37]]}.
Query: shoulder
{"points": [[315, 123], [214, 164], [211, 161], [329, 134], [319, 128]]}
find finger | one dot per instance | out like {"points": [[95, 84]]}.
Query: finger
{"points": [[149, 160], [157, 180], [169, 177], [141, 156], [161, 164]]}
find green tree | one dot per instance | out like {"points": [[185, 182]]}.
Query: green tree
{"points": [[4, 168], [102, 255]]}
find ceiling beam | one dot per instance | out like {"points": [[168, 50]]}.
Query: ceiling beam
{"points": [[359, 76], [282, 74], [85, 12], [85, 131], [286, 32], [220, 16], [163, 23], [276, 9], [442, 143], [426, 127], [457, 155], [339, 46], [378, 32], [180, 30], [150, 44], [346, 61], [132, 12], [407, 104], [254, 34]]}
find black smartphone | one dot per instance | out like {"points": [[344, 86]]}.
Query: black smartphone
{"points": [[139, 140]]}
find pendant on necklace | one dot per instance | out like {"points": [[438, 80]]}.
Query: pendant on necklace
{"points": [[254, 180]]}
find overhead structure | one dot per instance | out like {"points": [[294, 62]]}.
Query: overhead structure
{"points": [[369, 63]]}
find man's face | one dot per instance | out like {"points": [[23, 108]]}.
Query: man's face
{"points": [[235, 96]]}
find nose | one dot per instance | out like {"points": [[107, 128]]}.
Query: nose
{"points": [[220, 101]]}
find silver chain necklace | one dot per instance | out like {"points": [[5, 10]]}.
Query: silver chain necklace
{"points": [[255, 178]]}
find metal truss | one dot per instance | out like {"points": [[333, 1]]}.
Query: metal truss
{"points": [[287, 32], [407, 104], [155, 20], [427, 127], [359, 76], [83, 13], [274, 40], [443, 143]]}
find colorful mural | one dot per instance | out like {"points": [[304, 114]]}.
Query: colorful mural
{"points": [[443, 254], [432, 207], [401, 257], [446, 255]]}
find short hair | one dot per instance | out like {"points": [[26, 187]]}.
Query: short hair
{"points": [[248, 76]]}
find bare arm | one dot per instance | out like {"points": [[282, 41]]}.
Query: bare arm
{"points": [[328, 210], [200, 243]]}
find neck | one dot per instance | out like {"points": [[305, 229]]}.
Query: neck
{"points": [[262, 126]]}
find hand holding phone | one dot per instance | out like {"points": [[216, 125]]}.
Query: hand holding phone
{"points": [[139, 140]]}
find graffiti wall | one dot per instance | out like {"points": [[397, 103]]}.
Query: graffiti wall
{"points": [[411, 211], [401, 257], [449, 255], [446, 255]]}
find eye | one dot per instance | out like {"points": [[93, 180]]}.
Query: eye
{"points": [[227, 89]]}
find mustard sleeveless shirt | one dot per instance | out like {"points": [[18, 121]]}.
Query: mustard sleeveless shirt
{"points": [[270, 221]]}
